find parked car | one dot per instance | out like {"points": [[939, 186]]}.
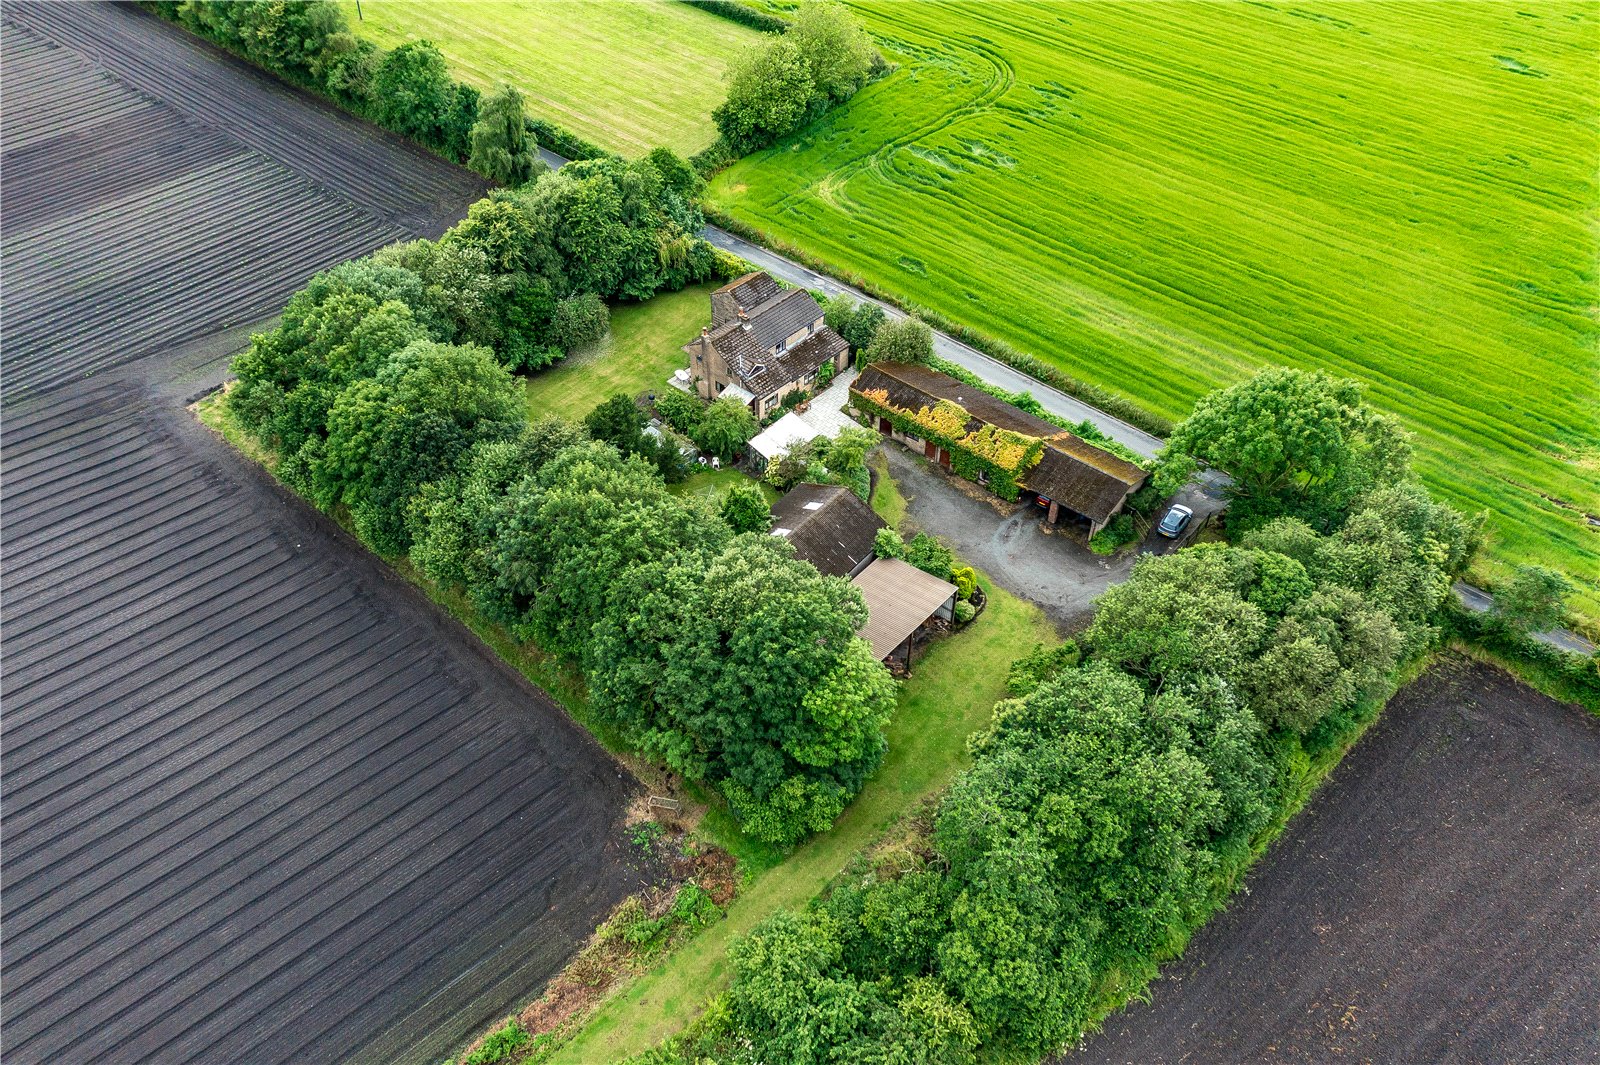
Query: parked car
{"points": [[1176, 520]]}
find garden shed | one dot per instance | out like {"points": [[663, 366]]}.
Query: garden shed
{"points": [[829, 526], [776, 439]]}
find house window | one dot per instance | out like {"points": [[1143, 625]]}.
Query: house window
{"points": [[720, 386], [758, 371], [770, 400]]}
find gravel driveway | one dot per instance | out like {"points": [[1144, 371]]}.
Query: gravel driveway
{"points": [[1004, 540]]}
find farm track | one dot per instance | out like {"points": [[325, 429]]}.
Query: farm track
{"points": [[261, 801]]}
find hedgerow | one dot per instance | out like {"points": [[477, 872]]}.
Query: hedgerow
{"points": [[743, 14], [407, 90]]}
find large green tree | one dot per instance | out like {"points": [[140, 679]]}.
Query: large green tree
{"points": [[1296, 444], [835, 48], [770, 94], [726, 426], [390, 434]]}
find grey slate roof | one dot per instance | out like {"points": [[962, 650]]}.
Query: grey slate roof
{"points": [[748, 351], [749, 291], [830, 527]]}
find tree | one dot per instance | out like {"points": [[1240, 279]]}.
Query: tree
{"points": [[1533, 600], [1296, 444], [578, 321], [770, 93], [857, 322], [502, 148], [617, 421], [901, 340], [834, 47], [412, 423], [930, 556], [725, 428], [745, 509], [412, 93]]}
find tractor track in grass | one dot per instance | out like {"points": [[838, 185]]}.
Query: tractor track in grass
{"points": [[261, 800]]}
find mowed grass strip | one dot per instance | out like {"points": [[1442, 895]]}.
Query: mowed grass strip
{"points": [[628, 76], [950, 696], [639, 355], [1161, 198]]}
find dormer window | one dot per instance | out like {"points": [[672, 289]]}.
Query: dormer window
{"points": [[757, 370]]}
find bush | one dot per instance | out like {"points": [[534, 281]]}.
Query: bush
{"points": [[1117, 534], [903, 340], [965, 612], [745, 509], [965, 579], [743, 14], [578, 321], [857, 322], [930, 556], [726, 426], [681, 410], [888, 544], [501, 1044]]}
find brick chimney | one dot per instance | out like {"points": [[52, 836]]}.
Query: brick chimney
{"points": [[744, 320], [705, 342]]}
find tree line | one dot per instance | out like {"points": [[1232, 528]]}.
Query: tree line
{"points": [[407, 90], [386, 395], [1113, 803]]}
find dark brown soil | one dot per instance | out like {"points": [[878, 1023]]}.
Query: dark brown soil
{"points": [[1439, 901], [262, 801]]}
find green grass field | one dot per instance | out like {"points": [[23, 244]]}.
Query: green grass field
{"points": [[639, 355], [628, 76], [1162, 197]]}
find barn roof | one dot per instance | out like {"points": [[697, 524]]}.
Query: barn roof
{"points": [[900, 597], [912, 387], [830, 527]]}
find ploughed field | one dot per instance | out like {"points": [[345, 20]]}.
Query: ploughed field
{"points": [[628, 76], [262, 802], [1435, 902], [1161, 198]]}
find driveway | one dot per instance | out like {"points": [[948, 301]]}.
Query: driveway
{"points": [[1005, 541], [1203, 496]]}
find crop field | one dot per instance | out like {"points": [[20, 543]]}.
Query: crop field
{"points": [[1434, 902], [262, 801], [1160, 198], [628, 76]]}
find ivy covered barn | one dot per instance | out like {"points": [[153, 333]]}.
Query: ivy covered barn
{"points": [[764, 342], [989, 441]]}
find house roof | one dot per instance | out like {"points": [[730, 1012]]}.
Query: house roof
{"points": [[900, 597], [783, 434], [751, 290], [779, 314], [912, 387], [830, 527]]}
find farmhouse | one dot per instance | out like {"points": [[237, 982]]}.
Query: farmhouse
{"points": [[994, 443], [900, 599], [830, 527], [764, 342]]}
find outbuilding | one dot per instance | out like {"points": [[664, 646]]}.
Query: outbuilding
{"points": [[901, 600], [775, 440], [829, 526]]}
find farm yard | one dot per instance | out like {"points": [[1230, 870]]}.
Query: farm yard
{"points": [[1403, 194], [1433, 903], [628, 76], [262, 800]]}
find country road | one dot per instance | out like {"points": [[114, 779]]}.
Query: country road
{"points": [[1052, 399]]}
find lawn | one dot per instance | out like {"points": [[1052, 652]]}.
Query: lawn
{"points": [[628, 76], [949, 696], [714, 484], [1160, 198], [638, 356]]}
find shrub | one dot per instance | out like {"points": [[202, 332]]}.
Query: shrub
{"points": [[824, 375], [726, 426], [965, 579], [965, 612], [903, 340], [1118, 533], [681, 410], [578, 321], [501, 1044], [930, 556], [745, 509], [888, 544]]}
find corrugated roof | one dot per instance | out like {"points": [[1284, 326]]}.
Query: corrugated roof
{"points": [[830, 527], [900, 597]]}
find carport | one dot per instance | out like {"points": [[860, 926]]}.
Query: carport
{"points": [[901, 599]]}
